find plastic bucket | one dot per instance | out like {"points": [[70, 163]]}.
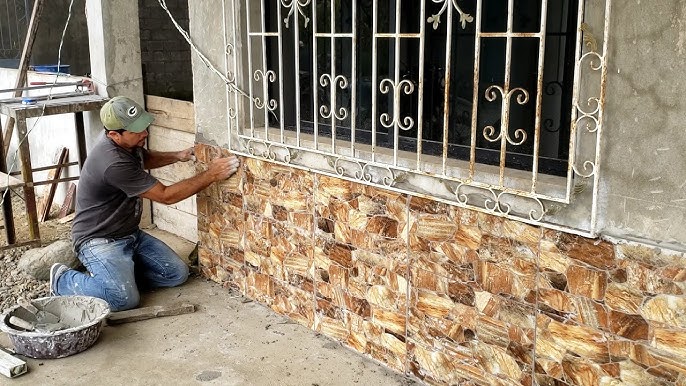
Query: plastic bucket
{"points": [[63, 68]]}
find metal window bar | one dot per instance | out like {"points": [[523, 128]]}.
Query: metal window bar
{"points": [[370, 164]]}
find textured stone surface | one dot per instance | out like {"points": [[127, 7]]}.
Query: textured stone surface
{"points": [[449, 295]]}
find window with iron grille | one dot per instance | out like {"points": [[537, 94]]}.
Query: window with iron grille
{"points": [[14, 19], [486, 104]]}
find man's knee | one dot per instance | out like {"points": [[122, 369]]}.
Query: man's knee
{"points": [[179, 275], [122, 297]]}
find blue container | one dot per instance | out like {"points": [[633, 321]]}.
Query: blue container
{"points": [[64, 68]]}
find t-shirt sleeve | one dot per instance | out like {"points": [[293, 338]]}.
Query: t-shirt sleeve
{"points": [[130, 178]]}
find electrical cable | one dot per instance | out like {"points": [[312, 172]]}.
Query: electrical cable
{"points": [[204, 58]]}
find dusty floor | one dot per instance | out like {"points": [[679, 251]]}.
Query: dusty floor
{"points": [[229, 340]]}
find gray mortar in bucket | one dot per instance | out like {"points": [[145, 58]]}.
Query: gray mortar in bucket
{"points": [[80, 319]]}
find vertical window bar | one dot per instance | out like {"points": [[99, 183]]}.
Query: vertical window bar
{"points": [[539, 93], [601, 113], [332, 99], [226, 71], [296, 47], [475, 97], [420, 96], [505, 125], [281, 73], [446, 96], [250, 71], [396, 75], [575, 101], [315, 77], [353, 90], [375, 16], [236, 95], [265, 76]]}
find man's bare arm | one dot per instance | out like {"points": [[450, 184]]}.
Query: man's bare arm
{"points": [[157, 159], [219, 169]]}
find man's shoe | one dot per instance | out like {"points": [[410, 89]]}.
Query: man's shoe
{"points": [[56, 271]]}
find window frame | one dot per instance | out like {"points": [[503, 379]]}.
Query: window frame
{"points": [[569, 204]]}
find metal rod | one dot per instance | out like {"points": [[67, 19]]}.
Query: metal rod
{"points": [[49, 85]]}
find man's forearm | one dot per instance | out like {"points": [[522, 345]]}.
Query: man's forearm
{"points": [[157, 159], [183, 189]]}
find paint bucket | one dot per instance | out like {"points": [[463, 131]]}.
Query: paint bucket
{"points": [[82, 318], [51, 68]]}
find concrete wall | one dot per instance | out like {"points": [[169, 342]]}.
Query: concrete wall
{"points": [[165, 55], [644, 178], [75, 51]]}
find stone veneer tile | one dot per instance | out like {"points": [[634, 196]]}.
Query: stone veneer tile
{"points": [[342, 257], [488, 334], [361, 299]]}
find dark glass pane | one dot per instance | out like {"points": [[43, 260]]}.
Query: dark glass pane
{"points": [[458, 95]]}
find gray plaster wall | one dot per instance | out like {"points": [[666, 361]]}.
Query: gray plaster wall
{"points": [[209, 91], [643, 190]]}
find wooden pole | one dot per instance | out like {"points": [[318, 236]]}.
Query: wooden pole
{"points": [[31, 33]]}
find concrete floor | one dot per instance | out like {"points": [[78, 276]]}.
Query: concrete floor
{"points": [[229, 340]]}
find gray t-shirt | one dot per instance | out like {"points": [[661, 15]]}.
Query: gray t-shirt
{"points": [[107, 202]]}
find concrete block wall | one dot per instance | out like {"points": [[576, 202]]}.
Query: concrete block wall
{"points": [[446, 294], [165, 55]]}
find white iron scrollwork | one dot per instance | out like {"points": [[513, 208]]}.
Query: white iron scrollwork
{"points": [[265, 77], [293, 5], [490, 131], [435, 19], [339, 82], [405, 86]]}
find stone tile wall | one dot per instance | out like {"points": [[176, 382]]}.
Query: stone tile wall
{"points": [[449, 295]]}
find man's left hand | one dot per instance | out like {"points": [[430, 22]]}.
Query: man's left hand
{"points": [[187, 155]]}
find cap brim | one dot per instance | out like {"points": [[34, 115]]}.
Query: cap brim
{"points": [[141, 123]]}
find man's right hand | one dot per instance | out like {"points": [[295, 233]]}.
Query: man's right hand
{"points": [[223, 168]]}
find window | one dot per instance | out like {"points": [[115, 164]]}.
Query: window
{"points": [[482, 103], [13, 24], [556, 90]]}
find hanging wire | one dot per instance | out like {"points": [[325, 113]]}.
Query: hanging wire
{"points": [[204, 58]]}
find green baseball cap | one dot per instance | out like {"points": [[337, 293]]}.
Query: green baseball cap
{"points": [[123, 113]]}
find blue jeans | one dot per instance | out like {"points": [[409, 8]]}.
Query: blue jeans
{"points": [[118, 267]]}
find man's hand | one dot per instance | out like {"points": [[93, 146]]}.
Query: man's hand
{"points": [[223, 168], [186, 155]]}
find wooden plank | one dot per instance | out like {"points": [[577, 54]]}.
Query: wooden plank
{"points": [[171, 113], [144, 313], [68, 203], [175, 172], [179, 223], [46, 201], [66, 218], [176, 107], [11, 366], [166, 139], [31, 33]]}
